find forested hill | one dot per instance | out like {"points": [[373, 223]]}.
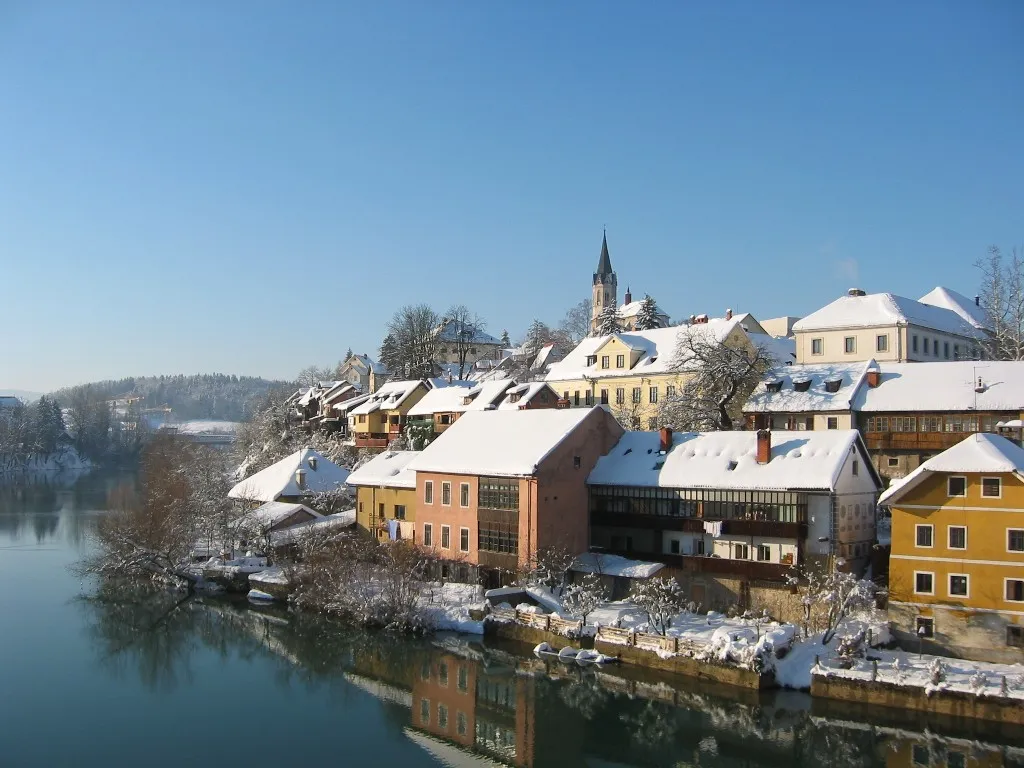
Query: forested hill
{"points": [[201, 396]]}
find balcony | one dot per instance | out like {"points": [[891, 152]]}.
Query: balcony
{"points": [[371, 440], [715, 566], [913, 441], [770, 528]]}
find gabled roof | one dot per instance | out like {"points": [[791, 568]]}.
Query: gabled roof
{"points": [[657, 348], [367, 363], [388, 469], [446, 399], [727, 460], [882, 309], [633, 308], [487, 394], [500, 443], [446, 332], [347, 405], [957, 302], [274, 512], [817, 396], [782, 350], [526, 393], [389, 396], [981, 453], [945, 386], [333, 393], [279, 479]]}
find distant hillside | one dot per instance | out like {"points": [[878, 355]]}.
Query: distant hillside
{"points": [[21, 394], [201, 396]]}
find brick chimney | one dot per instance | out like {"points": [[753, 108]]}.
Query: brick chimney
{"points": [[628, 297], [728, 314], [874, 377], [664, 439], [764, 446]]}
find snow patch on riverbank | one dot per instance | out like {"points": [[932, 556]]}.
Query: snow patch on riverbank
{"points": [[66, 459], [446, 607]]}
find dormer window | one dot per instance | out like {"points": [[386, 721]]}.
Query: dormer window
{"points": [[312, 463], [833, 385], [773, 386], [591, 360], [801, 385]]}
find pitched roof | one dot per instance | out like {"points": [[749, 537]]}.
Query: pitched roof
{"points": [[727, 460], [472, 335], [443, 399], [604, 262], [945, 386], [274, 512], [957, 302], [657, 347], [782, 350], [981, 453], [499, 443], [350, 404], [388, 469], [632, 309], [817, 396], [875, 309], [389, 396], [279, 479], [487, 394], [526, 393]]}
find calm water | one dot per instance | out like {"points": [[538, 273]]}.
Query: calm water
{"points": [[105, 679]]}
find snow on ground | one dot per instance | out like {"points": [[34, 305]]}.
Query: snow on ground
{"points": [[204, 427], [237, 566], [273, 575], [615, 565], [446, 607]]}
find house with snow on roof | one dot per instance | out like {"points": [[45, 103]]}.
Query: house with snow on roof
{"points": [[888, 328], [731, 513], [499, 485], [441, 407], [363, 372], [382, 417], [463, 344], [956, 567], [906, 412], [386, 496], [295, 479]]}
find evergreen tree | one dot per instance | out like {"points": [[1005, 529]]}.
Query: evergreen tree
{"points": [[506, 342], [348, 354], [537, 335], [647, 316], [388, 355], [608, 321]]}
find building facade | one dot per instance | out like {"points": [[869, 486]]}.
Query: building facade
{"points": [[383, 416], [386, 496], [956, 570]]}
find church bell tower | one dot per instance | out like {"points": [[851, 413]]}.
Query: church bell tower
{"points": [[606, 285]]}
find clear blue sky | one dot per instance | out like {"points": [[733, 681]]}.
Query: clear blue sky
{"points": [[250, 187]]}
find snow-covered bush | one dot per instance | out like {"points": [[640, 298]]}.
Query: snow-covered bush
{"points": [[584, 595], [828, 597], [936, 672], [660, 598], [978, 681], [852, 647]]}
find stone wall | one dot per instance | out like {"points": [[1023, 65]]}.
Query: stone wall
{"points": [[684, 665]]}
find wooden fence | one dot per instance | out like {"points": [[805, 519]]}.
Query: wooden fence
{"points": [[546, 621], [646, 642]]}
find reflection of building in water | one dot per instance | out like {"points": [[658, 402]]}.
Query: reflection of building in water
{"points": [[489, 712]]}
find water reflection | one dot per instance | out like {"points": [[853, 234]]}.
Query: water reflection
{"points": [[465, 703]]}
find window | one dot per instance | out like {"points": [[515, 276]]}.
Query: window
{"points": [[463, 494], [442, 673], [925, 343], [878, 424], [956, 351], [588, 400], [497, 493], [428, 492], [463, 682], [920, 754], [991, 487], [670, 390], [498, 537], [1014, 637], [856, 468], [652, 423], [442, 716], [923, 536], [604, 397], [460, 724], [362, 418], [428, 535], [1015, 590], [945, 349], [576, 462], [1015, 539], [620, 396], [463, 539], [741, 552], [576, 397], [380, 511], [832, 422], [913, 342], [425, 711], [892, 461], [924, 627], [958, 585], [850, 344], [956, 486], [924, 583], [399, 511], [591, 360], [446, 537], [957, 537], [882, 343], [565, 396], [931, 424], [446, 494], [956, 760], [652, 394], [904, 423], [620, 361], [673, 546], [605, 361], [360, 508], [636, 394], [817, 346], [764, 553]]}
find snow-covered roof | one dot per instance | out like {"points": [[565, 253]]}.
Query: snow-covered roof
{"points": [[541, 360], [487, 394], [333, 393], [346, 405], [9, 401], [957, 302], [526, 393], [274, 512], [817, 396], [632, 309], [615, 565], [500, 443], [343, 519], [389, 396], [881, 309], [444, 399], [945, 386], [279, 479], [447, 332], [782, 350], [367, 362], [981, 453], [203, 427], [657, 347], [727, 460], [389, 469]]}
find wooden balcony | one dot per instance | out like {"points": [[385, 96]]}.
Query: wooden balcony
{"points": [[769, 528], [750, 570], [913, 441], [371, 440], [501, 560]]}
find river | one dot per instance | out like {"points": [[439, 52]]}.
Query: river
{"points": [[99, 677]]}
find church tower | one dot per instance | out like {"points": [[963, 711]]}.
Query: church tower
{"points": [[606, 285]]}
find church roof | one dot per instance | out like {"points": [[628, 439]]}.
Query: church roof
{"points": [[604, 264]]}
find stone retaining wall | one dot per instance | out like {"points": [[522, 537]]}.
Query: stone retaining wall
{"points": [[684, 665]]}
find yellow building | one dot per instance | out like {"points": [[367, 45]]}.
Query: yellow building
{"points": [[633, 372], [386, 496], [382, 417], [956, 572]]}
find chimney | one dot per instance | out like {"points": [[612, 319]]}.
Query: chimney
{"points": [[300, 479], [977, 301], [693, 319], [856, 292], [764, 446], [874, 377], [728, 314], [980, 386], [312, 462], [664, 439]]}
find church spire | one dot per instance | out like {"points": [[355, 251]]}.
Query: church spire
{"points": [[604, 264]]}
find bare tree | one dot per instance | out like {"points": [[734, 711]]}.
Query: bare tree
{"points": [[312, 375], [1002, 297], [461, 328], [413, 342], [583, 596], [575, 326], [828, 597], [719, 375], [660, 598]]}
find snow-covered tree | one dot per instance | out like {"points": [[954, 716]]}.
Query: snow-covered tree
{"points": [[412, 349], [936, 672], [537, 335], [550, 566], [1002, 297], [506, 342], [575, 326], [829, 597], [718, 377], [461, 329], [647, 316], [584, 595], [660, 598], [608, 321]]}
